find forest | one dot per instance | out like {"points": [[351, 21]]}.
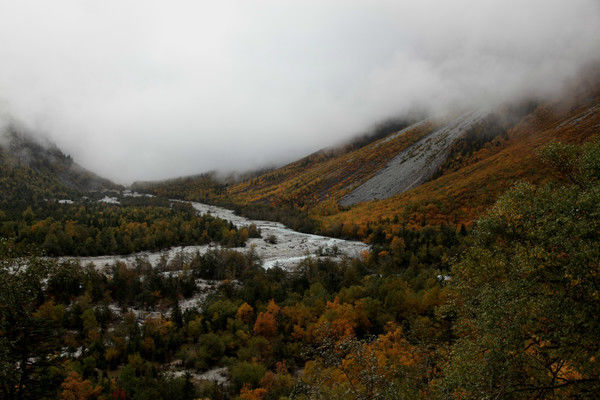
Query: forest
{"points": [[50, 203], [93, 228], [506, 309]]}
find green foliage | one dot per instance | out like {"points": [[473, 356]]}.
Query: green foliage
{"points": [[528, 291], [91, 228], [76, 299], [208, 189], [50, 202], [579, 164], [29, 340], [213, 346], [507, 310], [30, 173], [246, 374]]}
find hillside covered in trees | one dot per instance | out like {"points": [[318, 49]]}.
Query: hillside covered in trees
{"points": [[507, 311], [32, 171], [451, 301], [491, 153], [51, 203]]}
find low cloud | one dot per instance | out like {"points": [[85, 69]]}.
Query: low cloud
{"points": [[154, 89]]}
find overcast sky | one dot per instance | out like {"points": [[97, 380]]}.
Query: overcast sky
{"points": [[153, 89]]}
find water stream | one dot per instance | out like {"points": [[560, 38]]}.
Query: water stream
{"points": [[290, 248]]}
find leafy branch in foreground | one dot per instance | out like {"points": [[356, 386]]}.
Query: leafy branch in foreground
{"points": [[528, 290]]}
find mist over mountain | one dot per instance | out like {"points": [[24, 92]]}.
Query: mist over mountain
{"points": [[149, 90], [32, 170]]}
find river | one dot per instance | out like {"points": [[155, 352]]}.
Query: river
{"points": [[290, 248]]}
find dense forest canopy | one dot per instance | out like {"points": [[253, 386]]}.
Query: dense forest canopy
{"points": [[507, 310], [96, 228]]}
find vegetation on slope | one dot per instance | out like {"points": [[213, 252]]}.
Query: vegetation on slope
{"points": [[508, 311], [50, 202], [527, 290], [262, 327], [288, 194], [494, 154], [30, 171], [207, 188], [473, 183]]}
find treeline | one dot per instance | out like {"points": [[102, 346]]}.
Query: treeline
{"points": [[31, 172], [93, 228], [203, 188], [208, 189]]}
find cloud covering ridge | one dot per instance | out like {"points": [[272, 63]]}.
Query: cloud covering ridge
{"points": [[154, 89]]}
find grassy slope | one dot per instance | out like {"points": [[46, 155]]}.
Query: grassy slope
{"points": [[460, 195], [325, 175]]}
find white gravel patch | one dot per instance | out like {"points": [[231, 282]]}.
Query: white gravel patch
{"points": [[291, 247], [109, 200]]}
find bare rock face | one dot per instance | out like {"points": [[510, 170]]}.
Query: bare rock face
{"points": [[416, 164]]}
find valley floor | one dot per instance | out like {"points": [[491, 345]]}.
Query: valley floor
{"points": [[279, 245]]}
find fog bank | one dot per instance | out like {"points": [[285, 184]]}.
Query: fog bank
{"points": [[139, 90]]}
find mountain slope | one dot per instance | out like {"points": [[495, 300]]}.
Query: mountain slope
{"points": [[436, 171], [417, 163], [31, 172], [469, 184], [397, 162]]}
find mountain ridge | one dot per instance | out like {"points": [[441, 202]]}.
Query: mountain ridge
{"points": [[343, 190], [31, 172]]}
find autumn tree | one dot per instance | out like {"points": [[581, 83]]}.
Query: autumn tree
{"points": [[252, 394], [245, 313], [266, 322], [382, 368], [75, 388]]}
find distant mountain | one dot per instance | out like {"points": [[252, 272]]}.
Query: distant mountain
{"points": [[31, 171], [435, 171]]}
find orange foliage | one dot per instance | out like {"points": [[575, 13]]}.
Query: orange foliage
{"points": [[266, 322], [273, 308], [265, 325], [158, 326], [464, 193], [459, 195], [341, 320], [245, 313], [321, 179], [252, 394], [393, 348], [366, 368], [75, 388]]}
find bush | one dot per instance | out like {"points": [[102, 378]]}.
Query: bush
{"points": [[272, 239], [213, 346], [254, 231], [246, 373]]}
